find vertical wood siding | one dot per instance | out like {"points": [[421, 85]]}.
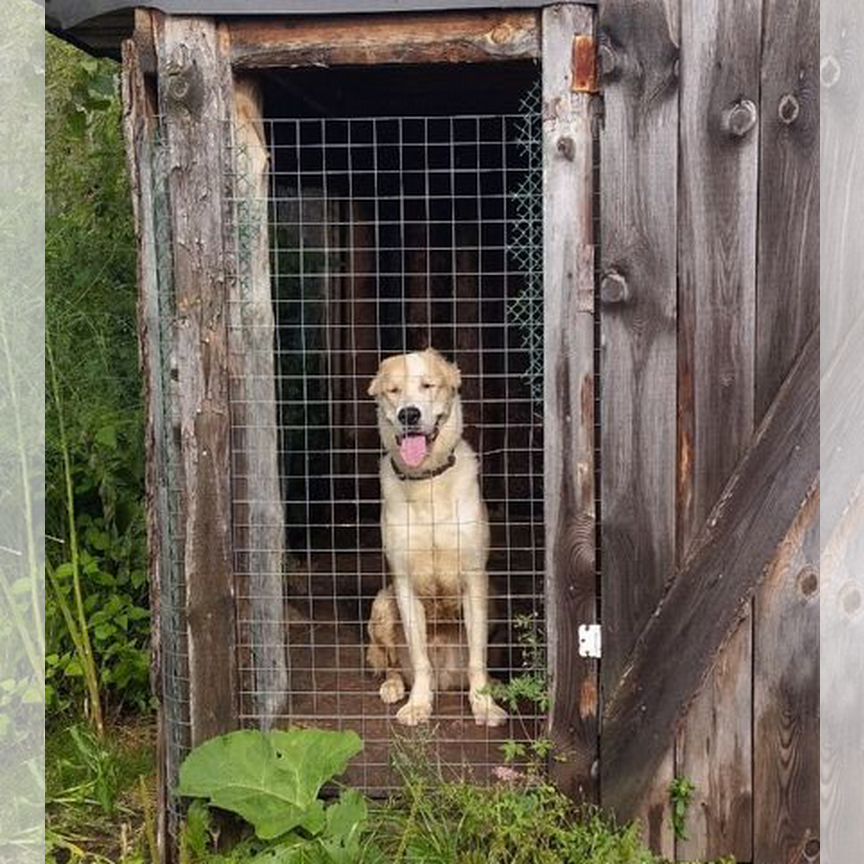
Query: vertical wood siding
{"points": [[709, 246], [720, 47], [638, 218]]}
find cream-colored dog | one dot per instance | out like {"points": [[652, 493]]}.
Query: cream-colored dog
{"points": [[436, 539]]}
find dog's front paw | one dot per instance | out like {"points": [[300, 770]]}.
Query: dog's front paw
{"points": [[392, 690], [413, 713], [486, 712]]}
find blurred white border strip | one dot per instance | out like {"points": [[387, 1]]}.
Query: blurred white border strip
{"points": [[842, 426], [22, 274]]}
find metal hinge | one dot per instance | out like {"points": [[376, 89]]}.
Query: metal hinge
{"points": [[590, 640]]}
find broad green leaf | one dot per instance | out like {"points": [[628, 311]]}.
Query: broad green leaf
{"points": [[345, 820], [270, 779]]}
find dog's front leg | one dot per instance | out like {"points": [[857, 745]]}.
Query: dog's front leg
{"points": [[418, 708], [475, 605]]}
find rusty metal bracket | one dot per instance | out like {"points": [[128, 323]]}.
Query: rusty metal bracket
{"points": [[584, 65]]}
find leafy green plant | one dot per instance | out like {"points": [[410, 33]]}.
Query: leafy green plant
{"points": [[273, 781], [96, 553], [680, 797], [436, 822], [530, 686]]}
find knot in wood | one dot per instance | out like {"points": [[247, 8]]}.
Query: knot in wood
{"points": [[788, 109], [808, 581], [829, 70], [501, 34], [608, 61], [566, 147], [614, 288], [184, 82], [740, 118]]}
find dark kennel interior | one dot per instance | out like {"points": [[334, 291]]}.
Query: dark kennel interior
{"points": [[404, 212]]}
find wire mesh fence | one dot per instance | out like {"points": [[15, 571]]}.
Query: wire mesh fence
{"points": [[383, 235]]}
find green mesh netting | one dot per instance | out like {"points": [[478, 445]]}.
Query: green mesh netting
{"points": [[525, 243]]}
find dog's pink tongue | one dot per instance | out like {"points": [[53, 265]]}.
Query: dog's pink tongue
{"points": [[413, 450]]}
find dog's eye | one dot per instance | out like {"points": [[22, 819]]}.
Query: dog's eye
{"points": [[427, 385], [393, 391]]}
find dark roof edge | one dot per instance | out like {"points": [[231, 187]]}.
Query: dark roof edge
{"points": [[66, 14]]}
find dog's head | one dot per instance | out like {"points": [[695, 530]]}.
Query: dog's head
{"points": [[419, 412]]}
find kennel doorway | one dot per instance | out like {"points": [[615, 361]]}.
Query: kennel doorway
{"points": [[324, 219], [388, 233]]}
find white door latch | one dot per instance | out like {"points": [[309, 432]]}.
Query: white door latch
{"points": [[590, 640]]}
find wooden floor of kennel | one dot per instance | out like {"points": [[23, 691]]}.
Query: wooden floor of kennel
{"points": [[701, 331]]}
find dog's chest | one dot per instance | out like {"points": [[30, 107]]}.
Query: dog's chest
{"points": [[433, 529]]}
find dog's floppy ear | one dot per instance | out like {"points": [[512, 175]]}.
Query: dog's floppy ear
{"points": [[449, 371], [375, 385]]}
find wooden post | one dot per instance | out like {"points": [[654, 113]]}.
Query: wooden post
{"points": [[258, 516], [139, 126], [568, 263], [194, 101]]}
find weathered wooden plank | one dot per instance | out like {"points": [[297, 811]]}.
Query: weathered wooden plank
{"points": [[786, 698], [258, 515], [139, 127], [194, 101], [455, 37], [569, 401], [786, 612], [717, 257], [638, 223], [720, 70], [788, 191], [713, 750], [712, 591]]}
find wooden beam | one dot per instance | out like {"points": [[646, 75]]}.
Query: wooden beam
{"points": [[139, 127], [712, 590], [259, 523], [568, 291], [194, 100], [638, 289], [361, 40]]}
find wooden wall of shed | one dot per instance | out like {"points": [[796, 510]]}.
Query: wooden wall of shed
{"points": [[709, 291]]}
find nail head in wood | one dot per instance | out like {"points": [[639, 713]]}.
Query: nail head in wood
{"points": [[614, 288], [566, 147], [788, 109], [740, 118]]}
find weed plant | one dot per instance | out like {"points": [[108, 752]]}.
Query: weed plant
{"points": [[97, 619]]}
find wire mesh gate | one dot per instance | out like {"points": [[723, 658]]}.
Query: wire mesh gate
{"points": [[389, 235]]}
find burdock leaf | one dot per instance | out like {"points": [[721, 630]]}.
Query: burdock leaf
{"points": [[270, 779]]}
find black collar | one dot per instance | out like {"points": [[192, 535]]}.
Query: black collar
{"points": [[434, 472]]}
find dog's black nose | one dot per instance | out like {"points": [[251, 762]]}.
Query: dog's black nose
{"points": [[409, 416]]}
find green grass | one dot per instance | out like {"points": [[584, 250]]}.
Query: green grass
{"points": [[99, 794]]}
